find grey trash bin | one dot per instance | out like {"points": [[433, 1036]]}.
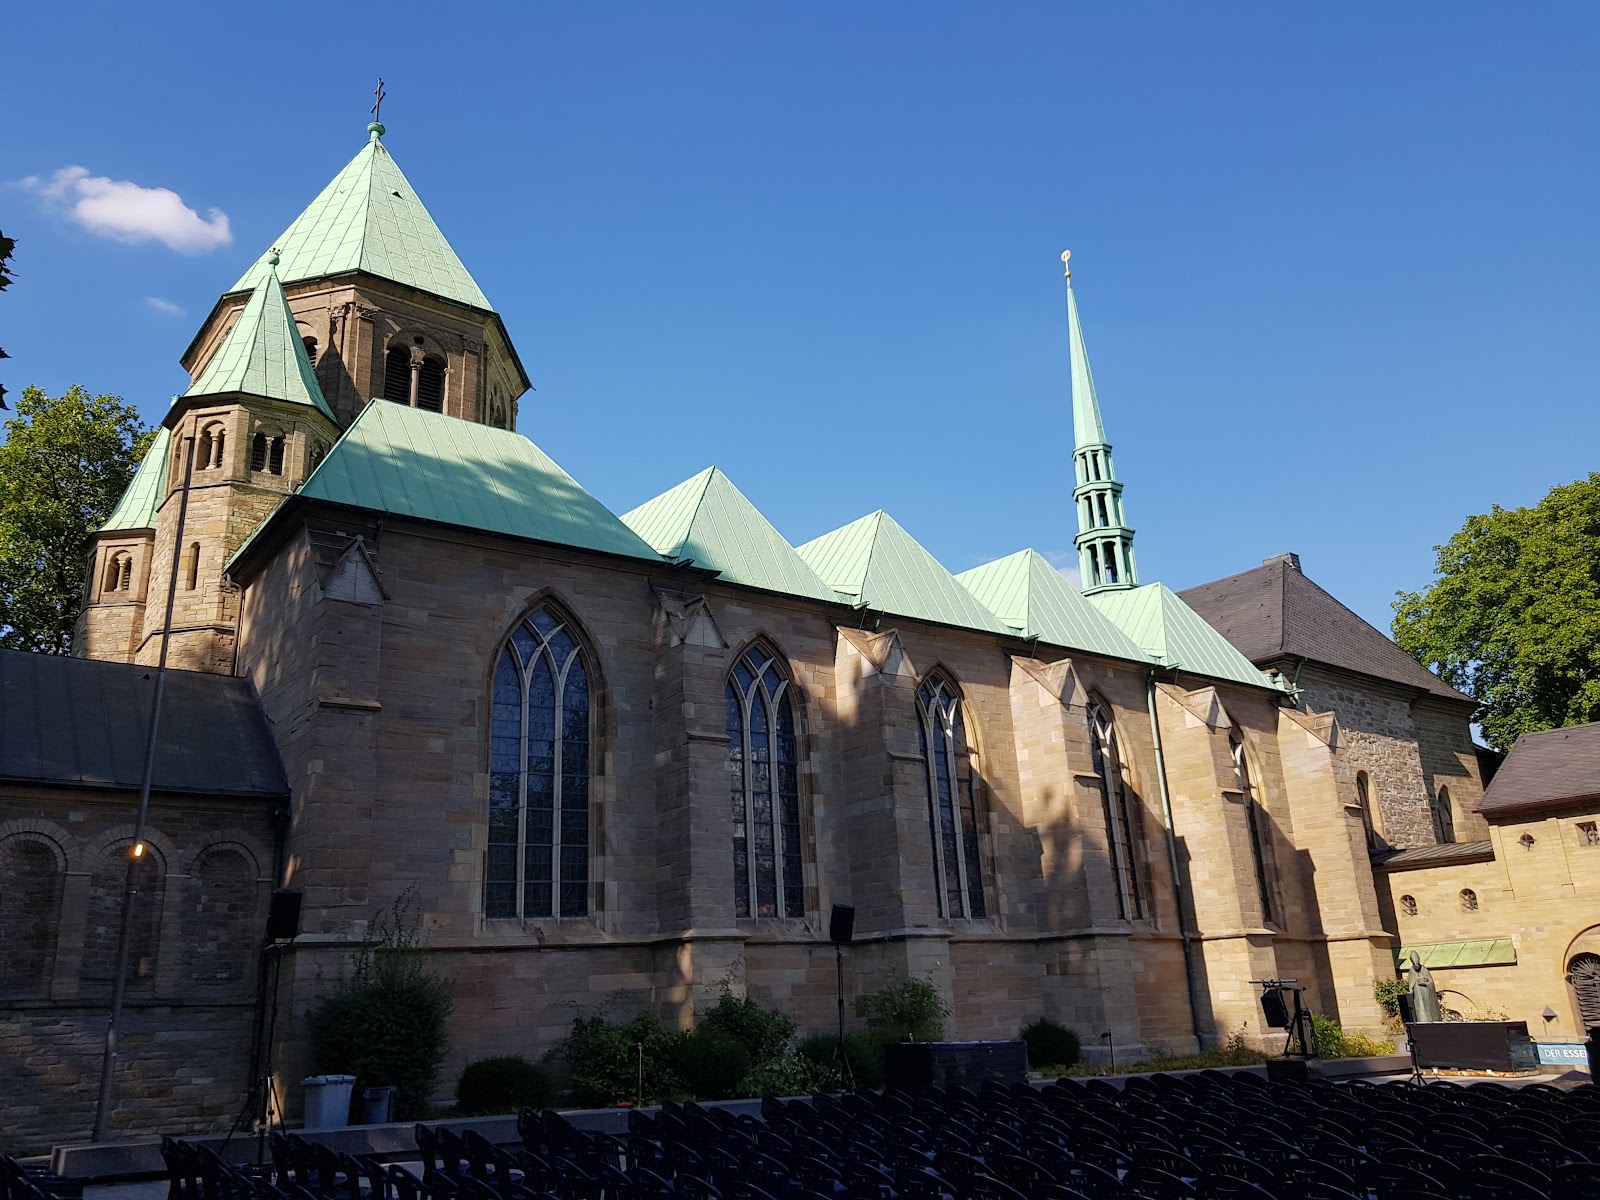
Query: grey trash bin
{"points": [[376, 1106], [328, 1100]]}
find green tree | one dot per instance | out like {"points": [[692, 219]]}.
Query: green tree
{"points": [[64, 464], [1513, 615], [7, 245]]}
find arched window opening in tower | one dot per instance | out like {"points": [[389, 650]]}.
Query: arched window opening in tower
{"points": [[952, 802], [430, 385], [119, 572], [764, 787], [1444, 818], [1255, 821], [1469, 900], [538, 851], [397, 375], [1109, 567], [310, 343], [1105, 517], [212, 439], [1118, 812], [266, 453], [191, 566]]}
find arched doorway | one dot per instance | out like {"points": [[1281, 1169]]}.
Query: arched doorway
{"points": [[1583, 973]]}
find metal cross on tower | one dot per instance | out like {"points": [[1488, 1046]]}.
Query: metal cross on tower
{"points": [[378, 95]]}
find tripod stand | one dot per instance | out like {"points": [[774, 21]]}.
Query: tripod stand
{"points": [[841, 1060], [263, 1099]]}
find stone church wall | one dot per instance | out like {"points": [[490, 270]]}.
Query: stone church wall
{"points": [[191, 1001]]}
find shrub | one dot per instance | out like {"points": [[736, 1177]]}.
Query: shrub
{"points": [[792, 1075], [710, 1063], [1330, 1038], [387, 1025], [501, 1085], [764, 1033], [603, 1059], [1387, 993], [862, 1051], [1050, 1044], [1359, 1045], [913, 1009]]}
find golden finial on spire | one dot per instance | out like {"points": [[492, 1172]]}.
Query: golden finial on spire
{"points": [[1066, 263]]}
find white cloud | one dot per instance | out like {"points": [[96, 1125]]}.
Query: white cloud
{"points": [[1066, 565], [126, 212], [164, 306]]}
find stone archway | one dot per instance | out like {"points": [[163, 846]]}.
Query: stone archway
{"points": [[1583, 973]]}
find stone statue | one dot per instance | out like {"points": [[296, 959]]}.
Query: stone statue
{"points": [[1424, 995]]}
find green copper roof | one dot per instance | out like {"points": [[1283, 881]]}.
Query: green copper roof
{"points": [[1493, 952], [874, 562], [432, 467], [1087, 429], [369, 219], [708, 520], [263, 355], [138, 506], [1030, 596], [1173, 634]]}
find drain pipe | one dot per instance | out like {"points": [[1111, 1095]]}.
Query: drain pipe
{"points": [[1172, 858]]}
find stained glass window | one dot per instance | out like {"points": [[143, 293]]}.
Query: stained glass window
{"points": [[952, 805], [1255, 819], [764, 789], [1119, 814], [538, 856]]}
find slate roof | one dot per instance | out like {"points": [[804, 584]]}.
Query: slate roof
{"points": [[1273, 611], [263, 355], [1441, 854], [1553, 766], [370, 219], [1173, 634], [142, 499], [708, 520], [414, 463], [1031, 597], [875, 563], [83, 722]]}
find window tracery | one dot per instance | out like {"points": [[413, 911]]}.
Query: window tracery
{"points": [[952, 803], [764, 784]]}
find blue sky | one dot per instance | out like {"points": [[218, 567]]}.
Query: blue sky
{"points": [[1334, 262]]}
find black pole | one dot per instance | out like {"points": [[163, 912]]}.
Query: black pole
{"points": [[130, 893]]}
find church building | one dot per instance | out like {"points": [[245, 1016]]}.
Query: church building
{"points": [[628, 759]]}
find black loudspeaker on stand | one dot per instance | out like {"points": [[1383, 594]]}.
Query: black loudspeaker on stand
{"points": [[841, 932], [283, 926]]}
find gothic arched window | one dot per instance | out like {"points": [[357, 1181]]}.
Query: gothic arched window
{"points": [[1119, 815], [1583, 973], [1371, 820], [1255, 820], [1444, 817], [538, 861], [952, 804], [397, 375], [430, 385], [764, 786]]}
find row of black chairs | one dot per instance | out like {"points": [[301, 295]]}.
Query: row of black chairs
{"points": [[24, 1181], [1205, 1136]]}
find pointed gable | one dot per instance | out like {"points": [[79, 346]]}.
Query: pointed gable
{"points": [[709, 521], [1274, 611], [142, 500], [1031, 597], [425, 465], [370, 219], [263, 355], [876, 564], [1173, 634]]}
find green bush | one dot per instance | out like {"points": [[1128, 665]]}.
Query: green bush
{"points": [[603, 1060], [501, 1085], [1330, 1038], [792, 1075], [764, 1033], [1387, 993], [862, 1051], [1050, 1044], [913, 1009], [387, 1025], [711, 1064], [1359, 1045]]}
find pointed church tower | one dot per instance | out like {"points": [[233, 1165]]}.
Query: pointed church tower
{"points": [[1104, 541], [382, 303]]}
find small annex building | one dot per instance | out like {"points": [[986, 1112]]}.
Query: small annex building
{"points": [[631, 759]]}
